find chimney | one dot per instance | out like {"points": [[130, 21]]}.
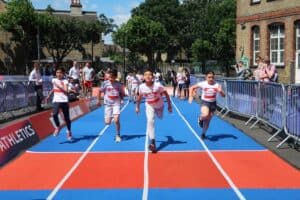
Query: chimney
{"points": [[76, 8]]}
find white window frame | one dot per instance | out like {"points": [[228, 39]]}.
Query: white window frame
{"points": [[255, 1], [297, 42], [256, 38], [277, 34]]}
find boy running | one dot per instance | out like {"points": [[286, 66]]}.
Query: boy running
{"points": [[60, 101], [153, 93], [113, 98], [208, 99]]}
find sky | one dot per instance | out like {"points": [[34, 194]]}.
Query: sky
{"points": [[119, 10]]}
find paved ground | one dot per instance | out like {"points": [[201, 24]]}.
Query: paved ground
{"points": [[261, 133]]}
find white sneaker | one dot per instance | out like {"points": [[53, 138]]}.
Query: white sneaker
{"points": [[118, 138], [69, 136], [56, 131]]}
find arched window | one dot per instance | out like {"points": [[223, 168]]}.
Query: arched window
{"points": [[255, 43], [277, 37]]}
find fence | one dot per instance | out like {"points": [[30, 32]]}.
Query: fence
{"points": [[16, 94], [271, 103], [274, 104]]}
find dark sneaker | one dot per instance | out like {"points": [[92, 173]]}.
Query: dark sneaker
{"points": [[203, 136], [152, 148], [200, 122]]}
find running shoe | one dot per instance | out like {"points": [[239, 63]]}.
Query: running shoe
{"points": [[118, 138], [69, 136], [56, 131], [203, 136], [152, 148], [200, 122]]}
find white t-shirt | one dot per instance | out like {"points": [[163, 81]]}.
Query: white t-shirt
{"points": [[88, 73], [112, 92], [152, 94], [36, 77], [74, 72], [134, 82], [59, 96], [180, 78], [209, 92]]}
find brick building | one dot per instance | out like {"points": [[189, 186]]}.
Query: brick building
{"points": [[270, 28], [77, 12]]}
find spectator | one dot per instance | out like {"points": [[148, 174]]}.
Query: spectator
{"points": [[174, 81], [187, 82], [180, 81], [242, 72], [73, 89], [35, 78], [260, 73], [88, 78], [74, 72], [271, 70]]}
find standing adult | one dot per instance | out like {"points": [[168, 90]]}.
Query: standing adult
{"points": [[75, 72], [88, 78], [187, 82], [174, 81], [260, 72], [271, 70], [35, 78]]}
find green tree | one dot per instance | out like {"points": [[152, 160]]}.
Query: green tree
{"points": [[61, 36], [166, 12], [202, 51], [20, 20], [225, 39], [212, 21], [141, 35]]}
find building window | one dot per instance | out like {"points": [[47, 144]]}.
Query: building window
{"points": [[298, 44], [277, 44], [254, 2], [256, 43]]}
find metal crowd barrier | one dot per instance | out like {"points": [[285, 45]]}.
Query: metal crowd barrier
{"points": [[292, 128], [242, 98], [16, 95], [222, 102], [271, 103]]}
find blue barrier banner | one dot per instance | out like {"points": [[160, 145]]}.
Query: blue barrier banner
{"points": [[242, 97], [272, 103], [2, 97], [31, 94], [293, 110], [9, 103]]}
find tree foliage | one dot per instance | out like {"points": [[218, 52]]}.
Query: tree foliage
{"points": [[20, 21], [141, 35], [166, 12]]}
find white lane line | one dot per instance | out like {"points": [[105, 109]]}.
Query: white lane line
{"points": [[146, 170], [65, 178], [214, 160], [103, 152]]}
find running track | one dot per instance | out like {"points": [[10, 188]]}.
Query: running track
{"points": [[228, 165]]}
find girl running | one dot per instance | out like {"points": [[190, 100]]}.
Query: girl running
{"points": [[60, 101], [153, 93], [208, 99]]}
